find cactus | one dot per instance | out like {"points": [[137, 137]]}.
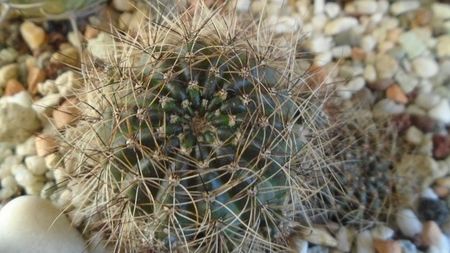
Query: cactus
{"points": [[196, 137]]}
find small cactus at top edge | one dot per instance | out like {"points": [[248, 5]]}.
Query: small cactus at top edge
{"points": [[193, 138]]}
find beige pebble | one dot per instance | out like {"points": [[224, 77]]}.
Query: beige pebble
{"points": [[431, 233], [386, 246], [67, 55], [90, 32], [66, 113], [45, 144], [441, 191], [33, 35], [13, 87]]}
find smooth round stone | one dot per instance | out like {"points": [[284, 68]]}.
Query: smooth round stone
{"points": [[408, 222], [31, 224], [425, 67]]}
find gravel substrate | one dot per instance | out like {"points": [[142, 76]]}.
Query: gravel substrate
{"points": [[390, 58]]}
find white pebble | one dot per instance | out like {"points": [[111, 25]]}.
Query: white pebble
{"points": [[408, 222], [425, 67], [441, 111], [318, 22], [319, 6], [344, 238], [364, 242], [243, 5], [364, 7], [34, 189], [386, 107], [382, 232], [323, 58], [340, 25], [46, 230], [332, 9], [427, 100], [284, 24], [341, 51], [401, 7], [414, 135], [36, 164], [429, 193], [24, 177], [441, 10], [319, 44], [370, 73], [26, 148], [368, 43]]}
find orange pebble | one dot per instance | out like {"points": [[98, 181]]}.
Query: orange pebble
{"points": [[395, 93]]}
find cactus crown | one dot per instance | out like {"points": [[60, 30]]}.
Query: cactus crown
{"points": [[194, 137]]}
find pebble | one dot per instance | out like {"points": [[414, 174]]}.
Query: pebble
{"points": [[443, 46], [368, 43], [408, 223], [370, 73], [362, 7], [364, 242], [412, 44], [243, 5], [321, 237], [13, 87], [35, 76], [386, 66], [23, 176], [46, 230], [45, 145], [414, 135], [341, 51], [33, 35], [395, 93], [340, 25], [441, 10], [387, 246], [102, 46], [386, 107], [122, 5], [284, 24], [67, 82], [26, 148], [332, 9], [433, 236], [36, 164], [406, 81], [66, 113], [407, 246], [319, 44], [401, 7], [344, 238], [47, 104], [441, 111], [7, 72], [382, 232], [9, 187], [425, 67], [427, 100], [22, 122]]}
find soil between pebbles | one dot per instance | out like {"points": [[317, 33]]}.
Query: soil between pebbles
{"points": [[393, 55]]}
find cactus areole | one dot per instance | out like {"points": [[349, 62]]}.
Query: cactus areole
{"points": [[203, 138]]}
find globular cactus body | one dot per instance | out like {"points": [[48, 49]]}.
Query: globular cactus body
{"points": [[196, 138]]}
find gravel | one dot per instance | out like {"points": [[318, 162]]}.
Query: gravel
{"points": [[394, 52]]}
